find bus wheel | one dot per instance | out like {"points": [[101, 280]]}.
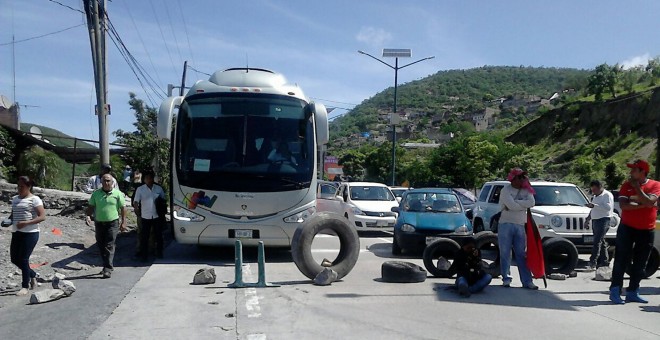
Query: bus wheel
{"points": [[301, 245]]}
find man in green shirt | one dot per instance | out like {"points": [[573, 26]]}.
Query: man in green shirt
{"points": [[106, 205]]}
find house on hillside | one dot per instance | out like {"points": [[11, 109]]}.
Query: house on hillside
{"points": [[9, 113], [482, 119]]}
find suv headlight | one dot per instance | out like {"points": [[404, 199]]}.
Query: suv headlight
{"points": [[301, 216], [462, 230], [556, 221], [356, 210], [407, 228], [182, 214]]}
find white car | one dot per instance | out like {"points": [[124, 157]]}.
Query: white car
{"points": [[367, 205], [560, 211], [398, 192]]}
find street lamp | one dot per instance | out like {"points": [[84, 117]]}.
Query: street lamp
{"points": [[395, 53]]}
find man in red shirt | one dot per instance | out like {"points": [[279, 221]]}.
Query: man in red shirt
{"points": [[634, 239]]}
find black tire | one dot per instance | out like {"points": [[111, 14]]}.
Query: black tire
{"points": [[402, 272], [652, 264], [487, 243], [396, 249], [301, 245], [560, 255], [444, 247], [478, 226]]}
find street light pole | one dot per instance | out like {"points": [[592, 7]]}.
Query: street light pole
{"points": [[396, 53]]}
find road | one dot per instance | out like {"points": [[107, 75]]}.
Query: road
{"points": [[159, 302]]}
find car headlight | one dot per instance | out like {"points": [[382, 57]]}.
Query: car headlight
{"points": [[462, 230], [182, 214], [407, 228], [301, 216], [356, 210], [556, 221]]}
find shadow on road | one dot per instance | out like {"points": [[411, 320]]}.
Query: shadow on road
{"points": [[384, 250]]}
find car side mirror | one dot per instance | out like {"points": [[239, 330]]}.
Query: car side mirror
{"points": [[469, 214], [395, 209]]}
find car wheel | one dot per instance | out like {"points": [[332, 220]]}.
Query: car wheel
{"points": [[560, 255], [486, 242], [651, 265], [478, 226], [442, 247], [301, 245], [402, 272], [396, 250]]}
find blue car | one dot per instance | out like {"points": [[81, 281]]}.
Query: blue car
{"points": [[428, 213]]}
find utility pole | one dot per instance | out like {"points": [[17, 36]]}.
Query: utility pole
{"points": [[96, 23]]}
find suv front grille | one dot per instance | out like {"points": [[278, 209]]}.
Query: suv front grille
{"points": [[379, 214], [575, 223]]}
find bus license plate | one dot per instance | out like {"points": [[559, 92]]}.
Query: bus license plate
{"points": [[243, 234], [588, 238]]}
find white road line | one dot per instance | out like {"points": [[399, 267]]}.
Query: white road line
{"points": [[386, 240], [257, 336], [251, 298]]}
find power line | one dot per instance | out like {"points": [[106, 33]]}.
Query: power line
{"points": [[185, 29], [67, 6], [333, 101], [194, 69], [146, 51], [40, 36], [176, 42], [153, 9]]}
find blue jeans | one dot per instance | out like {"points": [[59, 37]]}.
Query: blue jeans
{"points": [[478, 286], [20, 250], [510, 236], [599, 250], [631, 244]]}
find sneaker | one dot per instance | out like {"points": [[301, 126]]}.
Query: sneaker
{"points": [[33, 283], [506, 284], [22, 292], [633, 296], [531, 286], [106, 274], [464, 290]]}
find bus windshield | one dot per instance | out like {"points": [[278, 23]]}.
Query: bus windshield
{"points": [[244, 142]]}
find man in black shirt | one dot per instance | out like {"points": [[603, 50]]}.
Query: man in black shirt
{"points": [[470, 277]]}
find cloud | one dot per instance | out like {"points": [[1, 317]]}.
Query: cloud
{"points": [[375, 37], [642, 60]]}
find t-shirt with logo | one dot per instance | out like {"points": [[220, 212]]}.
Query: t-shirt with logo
{"points": [[25, 209], [643, 218]]}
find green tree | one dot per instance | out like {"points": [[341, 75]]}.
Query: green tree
{"points": [[41, 165], [352, 163], [614, 176], [7, 151], [653, 68], [584, 168], [144, 148], [604, 78]]}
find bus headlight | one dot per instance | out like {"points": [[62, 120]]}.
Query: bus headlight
{"points": [[301, 216], [182, 214]]}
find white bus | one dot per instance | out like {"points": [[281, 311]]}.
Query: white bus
{"points": [[244, 158]]}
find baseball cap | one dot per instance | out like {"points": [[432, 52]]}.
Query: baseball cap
{"points": [[514, 173], [640, 164]]}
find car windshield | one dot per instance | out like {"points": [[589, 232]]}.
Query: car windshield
{"points": [[398, 192], [559, 195], [431, 202], [371, 193]]}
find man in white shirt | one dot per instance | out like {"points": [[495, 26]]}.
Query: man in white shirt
{"points": [[95, 181], [602, 209], [515, 199], [145, 202]]}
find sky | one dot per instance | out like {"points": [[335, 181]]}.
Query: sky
{"points": [[312, 43]]}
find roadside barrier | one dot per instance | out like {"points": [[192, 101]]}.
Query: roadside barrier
{"points": [[238, 268]]}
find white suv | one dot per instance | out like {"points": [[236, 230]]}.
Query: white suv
{"points": [[367, 205], [560, 210]]}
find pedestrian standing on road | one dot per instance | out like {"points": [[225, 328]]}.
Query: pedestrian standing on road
{"points": [[634, 237], [94, 182], [602, 209], [27, 211], [145, 200], [107, 207], [515, 199], [127, 176], [470, 276]]}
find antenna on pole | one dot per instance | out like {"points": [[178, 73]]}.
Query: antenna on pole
{"points": [[247, 63]]}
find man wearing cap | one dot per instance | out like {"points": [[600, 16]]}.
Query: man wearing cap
{"points": [[634, 237], [515, 199], [95, 182]]}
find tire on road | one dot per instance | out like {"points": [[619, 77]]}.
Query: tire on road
{"points": [[442, 247], [402, 272], [301, 245], [651, 265], [486, 242], [560, 255]]}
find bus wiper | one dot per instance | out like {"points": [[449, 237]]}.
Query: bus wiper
{"points": [[573, 204], [299, 185]]}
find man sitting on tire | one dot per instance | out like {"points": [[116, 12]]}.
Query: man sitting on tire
{"points": [[470, 277]]}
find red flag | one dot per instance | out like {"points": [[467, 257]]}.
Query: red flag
{"points": [[535, 261]]}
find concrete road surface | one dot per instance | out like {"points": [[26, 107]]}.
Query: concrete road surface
{"points": [[164, 305]]}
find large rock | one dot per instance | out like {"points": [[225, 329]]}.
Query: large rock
{"points": [[204, 276], [603, 274], [325, 277], [65, 285], [46, 295]]}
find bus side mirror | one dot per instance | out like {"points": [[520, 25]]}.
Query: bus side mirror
{"points": [[321, 121], [165, 114]]}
